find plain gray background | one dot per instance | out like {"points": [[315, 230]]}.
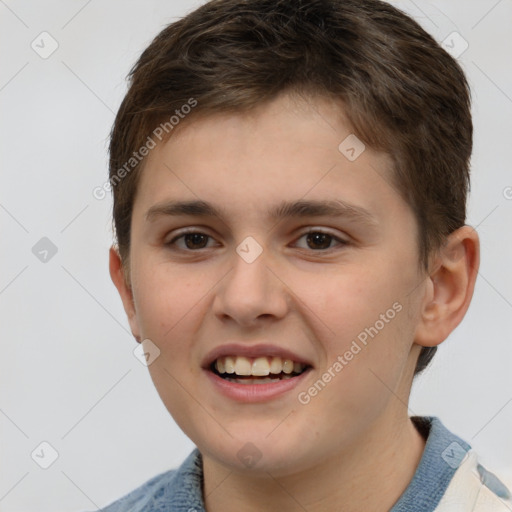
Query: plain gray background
{"points": [[68, 373]]}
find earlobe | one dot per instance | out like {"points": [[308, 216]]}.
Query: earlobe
{"points": [[449, 288], [117, 274]]}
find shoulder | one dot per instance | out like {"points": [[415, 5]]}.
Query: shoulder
{"points": [[171, 491], [475, 488], [139, 499], [450, 477]]}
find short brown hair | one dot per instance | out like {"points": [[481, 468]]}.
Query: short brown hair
{"points": [[400, 90]]}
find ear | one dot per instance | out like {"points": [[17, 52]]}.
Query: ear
{"points": [[449, 287], [118, 276]]}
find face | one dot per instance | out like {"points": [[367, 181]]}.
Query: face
{"points": [[281, 328]]}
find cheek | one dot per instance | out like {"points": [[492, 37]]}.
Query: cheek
{"points": [[163, 299], [369, 327], [349, 303]]}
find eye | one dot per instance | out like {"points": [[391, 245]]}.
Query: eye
{"points": [[316, 240], [321, 240], [192, 239]]}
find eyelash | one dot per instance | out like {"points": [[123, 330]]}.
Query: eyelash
{"points": [[341, 242]]}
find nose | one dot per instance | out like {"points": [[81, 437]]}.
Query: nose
{"points": [[251, 293]]}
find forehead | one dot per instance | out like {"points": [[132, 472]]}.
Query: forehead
{"points": [[283, 150]]}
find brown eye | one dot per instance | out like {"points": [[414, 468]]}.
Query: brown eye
{"points": [[321, 241], [194, 240]]}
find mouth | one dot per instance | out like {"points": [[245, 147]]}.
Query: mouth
{"points": [[255, 373], [257, 370]]}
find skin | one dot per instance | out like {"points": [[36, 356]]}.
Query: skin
{"points": [[353, 446]]}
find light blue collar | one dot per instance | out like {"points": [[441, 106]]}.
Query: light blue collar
{"points": [[442, 456]]}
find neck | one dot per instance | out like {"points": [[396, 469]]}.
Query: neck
{"points": [[368, 476]]}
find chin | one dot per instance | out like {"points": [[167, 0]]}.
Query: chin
{"points": [[257, 451]]}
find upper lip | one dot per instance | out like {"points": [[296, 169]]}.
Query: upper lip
{"points": [[260, 350]]}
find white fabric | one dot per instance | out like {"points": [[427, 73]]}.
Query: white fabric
{"points": [[467, 493]]}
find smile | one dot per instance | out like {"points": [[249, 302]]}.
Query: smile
{"points": [[255, 373], [258, 370]]}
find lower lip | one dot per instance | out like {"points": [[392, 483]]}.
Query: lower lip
{"points": [[255, 392]]}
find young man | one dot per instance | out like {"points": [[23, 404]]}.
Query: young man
{"points": [[290, 182]]}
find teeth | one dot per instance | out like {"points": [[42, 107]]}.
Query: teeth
{"points": [[258, 367], [243, 366], [287, 366], [221, 368], [229, 364], [276, 365], [259, 380]]}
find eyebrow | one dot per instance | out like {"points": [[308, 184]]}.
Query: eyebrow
{"points": [[285, 209]]}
